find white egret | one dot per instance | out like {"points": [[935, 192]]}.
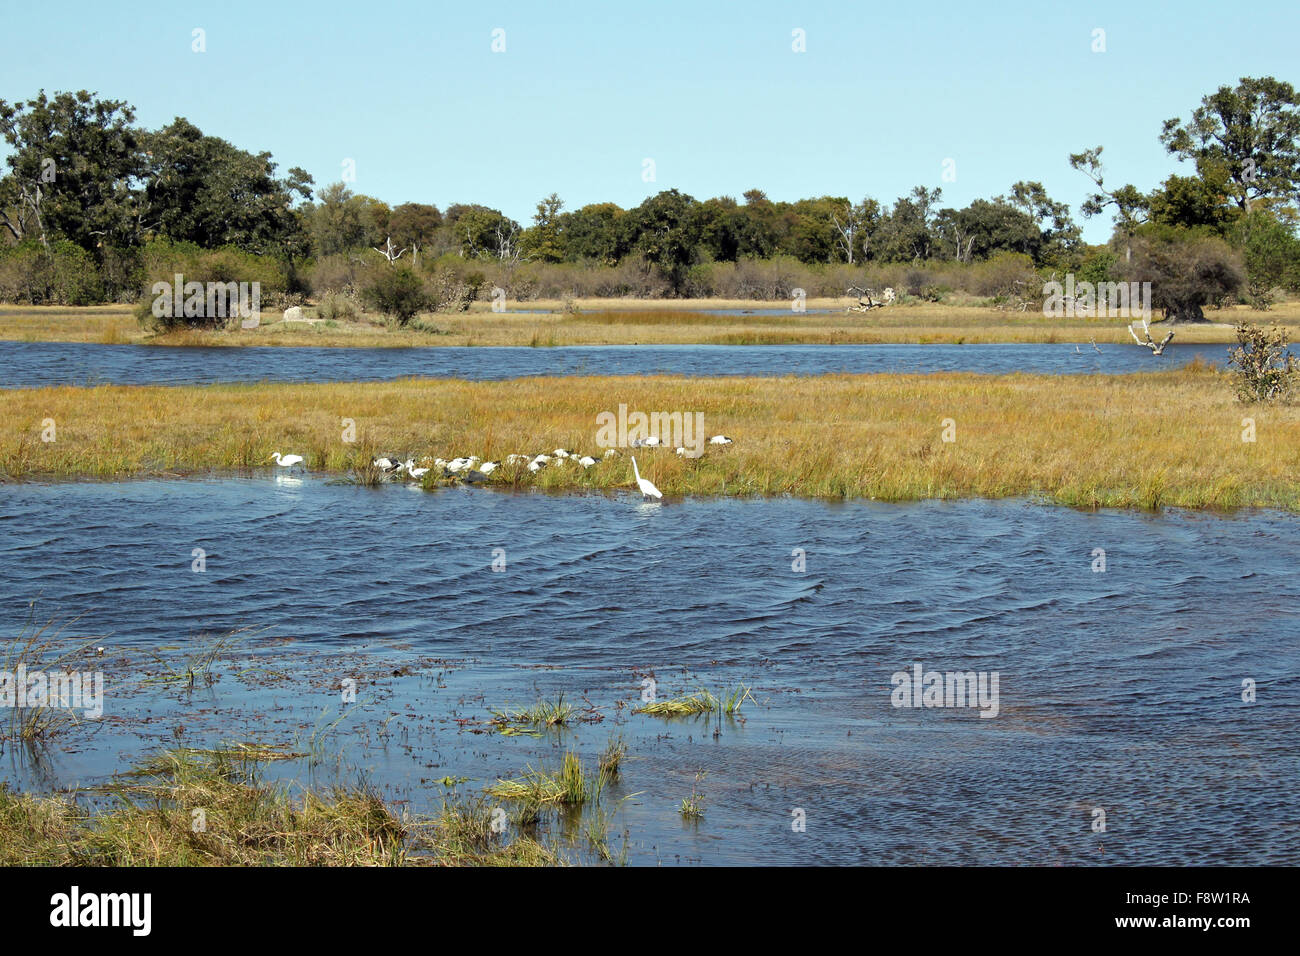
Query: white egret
{"points": [[413, 471], [647, 489], [719, 440], [286, 461]]}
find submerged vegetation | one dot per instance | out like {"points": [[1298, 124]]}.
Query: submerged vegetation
{"points": [[703, 702], [212, 808], [1169, 438]]}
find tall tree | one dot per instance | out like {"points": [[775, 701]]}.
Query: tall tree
{"points": [[74, 170], [1250, 134], [204, 190], [1131, 206]]}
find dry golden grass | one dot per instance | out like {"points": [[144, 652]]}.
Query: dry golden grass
{"points": [[1165, 438], [627, 322]]}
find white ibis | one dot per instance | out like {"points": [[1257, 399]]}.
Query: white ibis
{"points": [[719, 440], [586, 461], [647, 489]]}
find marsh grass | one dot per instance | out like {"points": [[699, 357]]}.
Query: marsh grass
{"points": [[1079, 440], [247, 822], [728, 703], [611, 758], [41, 647], [556, 713], [569, 785], [197, 666], [692, 807]]}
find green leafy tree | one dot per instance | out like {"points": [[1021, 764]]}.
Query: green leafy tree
{"points": [[1271, 253], [204, 190], [414, 225], [1249, 135], [545, 240], [595, 233], [1193, 202], [666, 233], [909, 233], [75, 164]]}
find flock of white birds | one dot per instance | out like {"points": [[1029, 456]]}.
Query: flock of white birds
{"points": [[473, 469]]}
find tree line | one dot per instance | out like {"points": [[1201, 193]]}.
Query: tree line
{"points": [[92, 206]]}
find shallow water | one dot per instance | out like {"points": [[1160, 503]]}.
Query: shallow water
{"points": [[1118, 690], [33, 364]]}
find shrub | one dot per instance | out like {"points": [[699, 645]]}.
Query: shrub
{"points": [[63, 274], [335, 306], [1264, 370], [398, 292]]}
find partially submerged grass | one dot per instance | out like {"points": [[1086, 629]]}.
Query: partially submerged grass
{"points": [[703, 702], [210, 808], [569, 785], [1169, 438], [556, 713], [692, 807], [39, 647], [197, 665], [611, 758]]}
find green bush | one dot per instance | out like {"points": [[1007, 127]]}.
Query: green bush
{"points": [[63, 274], [398, 292]]}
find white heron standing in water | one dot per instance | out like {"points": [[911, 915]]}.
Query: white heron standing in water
{"points": [[286, 461], [647, 489]]}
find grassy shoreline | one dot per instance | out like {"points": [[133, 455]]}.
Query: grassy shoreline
{"points": [[1144, 440], [246, 822], [628, 322]]}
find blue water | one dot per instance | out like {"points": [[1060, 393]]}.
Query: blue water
{"points": [[1120, 690], [33, 364]]}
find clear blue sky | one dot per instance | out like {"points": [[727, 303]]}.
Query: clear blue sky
{"points": [[712, 92]]}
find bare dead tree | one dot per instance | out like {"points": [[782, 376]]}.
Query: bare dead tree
{"points": [[867, 300], [387, 251], [1156, 349], [846, 230]]}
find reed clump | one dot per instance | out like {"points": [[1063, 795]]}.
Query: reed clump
{"points": [[704, 702]]}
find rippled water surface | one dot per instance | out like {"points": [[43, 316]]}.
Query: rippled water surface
{"points": [[1118, 690], [31, 364]]}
